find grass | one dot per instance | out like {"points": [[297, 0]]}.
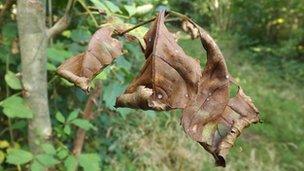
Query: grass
{"points": [[156, 141]]}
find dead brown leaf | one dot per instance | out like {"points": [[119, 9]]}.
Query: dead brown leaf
{"points": [[101, 51], [212, 118], [169, 74]]}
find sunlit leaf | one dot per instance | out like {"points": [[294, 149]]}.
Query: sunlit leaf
{"points": [[47, 160], [51, 67], [70, 163], [89, 162], [60, 117], [100, 5], [18, 156], [73, 115], [36, 166], [131, 9], [12, 81], [82, 123], [67, 129], [15, 107], [2, 156], [4, 144], [49, 149], [112, 7], [143, 9], [62, 153]]}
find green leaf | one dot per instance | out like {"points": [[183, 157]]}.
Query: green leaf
{"points": [[18, 156], [67, 129], [19, 125], [131, 9], [60, 117], [36, 166], [14, 107], [12, 81], [81, 35], [150, 113], [123, 63], [57, 55], [100, 5], [82, 123], [47, 160], [51, 67], [9, 31], [89, 162], [73, 115], [49, 148], [70, 163], [104, 74], [112, 7], [144, 9], [2, 156], [62, 153], [111, 92]]}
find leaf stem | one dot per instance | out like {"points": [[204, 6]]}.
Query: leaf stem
{"points": [[7, 95], [184, 17], [179, 15], [82, 3], [136, 26]]}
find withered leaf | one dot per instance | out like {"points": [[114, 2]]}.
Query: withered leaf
{"points": [[212, 119], [101, 51], [189, 27], [168, 78]]}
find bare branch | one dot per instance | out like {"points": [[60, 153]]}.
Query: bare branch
{"points": [[7, 6], [63, 22], [88, 115]]}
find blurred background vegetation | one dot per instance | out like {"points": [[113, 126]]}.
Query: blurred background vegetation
{"points": [[262, 40]]}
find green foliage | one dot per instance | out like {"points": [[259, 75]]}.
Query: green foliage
{"points": [[37, 166], [60, 117], [46, 160], [89, 162], [49, 149], [15, 107], [84, 124], [18, 156], [70, 163], [12, 81]]}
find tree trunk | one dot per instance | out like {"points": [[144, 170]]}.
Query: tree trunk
{"points": [[33, 43]]}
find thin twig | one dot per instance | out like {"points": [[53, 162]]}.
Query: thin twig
{"points": [[90, 12], [10, 128], [63, 22], [50, 17], [143, 23], [136, 26], [88, 115]]}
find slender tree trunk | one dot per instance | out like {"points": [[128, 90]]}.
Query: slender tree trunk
{"points": [[33, 43]]}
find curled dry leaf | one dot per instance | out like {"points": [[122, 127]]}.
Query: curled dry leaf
{"points": [[170, 79], [189, 27], [168, 73], [212, 119], [101, 51]]}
